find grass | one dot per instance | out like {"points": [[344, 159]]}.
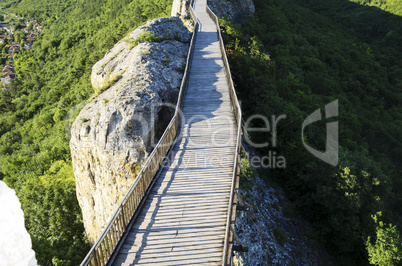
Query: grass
{"points": [[299, 253], [148, 36], [183, 68], [113, 57], [289, 210], [107, 83], [145, 52], [276, 206], [281, 236], [166, 60], [251, 174], [145, 36]]}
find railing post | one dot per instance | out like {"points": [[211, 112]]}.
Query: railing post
{"points": [[226, 259], [133, 198]]}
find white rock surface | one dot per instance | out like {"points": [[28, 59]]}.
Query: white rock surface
{"points": [[113, 134], [180, 8], [15, 242]]}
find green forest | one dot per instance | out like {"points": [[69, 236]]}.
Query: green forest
{"points": [[35, 113], [294, 57]]}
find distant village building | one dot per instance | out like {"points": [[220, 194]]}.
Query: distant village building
{"points": [[28, 46], [9, 75], [7, 80], [9, 67], [7, 33], [13, 48]]}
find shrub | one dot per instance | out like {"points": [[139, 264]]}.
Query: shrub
{"points": [[280, 236], [107, 83]]}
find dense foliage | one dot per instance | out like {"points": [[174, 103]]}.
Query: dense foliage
{"points": [[295, 56], [292, 57], [392, 6], [35, 113]]}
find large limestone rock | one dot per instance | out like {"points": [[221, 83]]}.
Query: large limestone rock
{"points": [[180, 8], [113, 134], [237, 11]]}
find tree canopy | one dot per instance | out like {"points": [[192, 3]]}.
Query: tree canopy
{"points": [[294, 57], [53, 82]]}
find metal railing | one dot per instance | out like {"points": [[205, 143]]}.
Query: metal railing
{"points": [[228, 242], [106, 244]]}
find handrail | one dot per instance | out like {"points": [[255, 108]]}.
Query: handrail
{"points": [[107, 242], [228, 242]]}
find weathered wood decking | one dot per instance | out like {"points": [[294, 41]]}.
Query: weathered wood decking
{"points": [[183, 220]]}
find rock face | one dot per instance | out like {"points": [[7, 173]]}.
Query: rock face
{"points": [[180, 8], [273, 231], [113, 134], [236, 10]]}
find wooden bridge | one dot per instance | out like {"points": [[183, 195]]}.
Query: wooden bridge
{"points": [[182, 206]]}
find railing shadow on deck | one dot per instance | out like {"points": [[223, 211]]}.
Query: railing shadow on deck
{"points": [[229, 233], [110, 238], [179, 164], [112, 235]]}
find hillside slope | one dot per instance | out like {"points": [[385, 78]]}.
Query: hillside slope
{"points": [[294, 57], [52, 85]]}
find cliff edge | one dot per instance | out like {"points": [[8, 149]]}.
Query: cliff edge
{"points": [[237, 11], [114, 133]]}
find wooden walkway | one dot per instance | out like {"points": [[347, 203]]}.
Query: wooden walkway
{"points": [[183, 220]]}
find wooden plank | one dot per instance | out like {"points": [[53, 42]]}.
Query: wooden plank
{"points": [[154, 239], [205, 259], [143, 249], [183, 220], [181, 242]]}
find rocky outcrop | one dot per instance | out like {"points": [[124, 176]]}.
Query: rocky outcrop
{"points": [[237, 11], [114, 133], [180, 8], [273, 231]]}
